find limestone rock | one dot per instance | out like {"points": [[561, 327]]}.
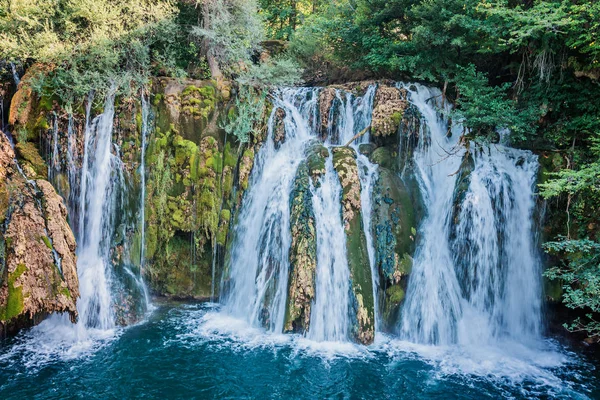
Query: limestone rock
{"points": [[38, 271], [394, 229], [362, 302], [388, 110], [279, 133], [303, 255]]}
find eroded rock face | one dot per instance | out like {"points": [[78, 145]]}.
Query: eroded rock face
{"points": [[279, 134], [303, 255], [394, 230], [38, 271], [326, 98], [316, 154], [388, 110], [362, 302]]}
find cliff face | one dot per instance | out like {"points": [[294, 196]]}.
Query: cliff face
{"points": [[38, 274]]}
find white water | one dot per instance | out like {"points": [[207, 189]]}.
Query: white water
{"points": [[356, 116], [15, 74], [142, 208], [94, 305], [479, 281], [330, 312], [54, 165], [259, 265]]}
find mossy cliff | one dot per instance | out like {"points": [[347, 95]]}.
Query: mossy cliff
{"points": [[196, 178], [362, 302], [38, 274], [303, 255]]}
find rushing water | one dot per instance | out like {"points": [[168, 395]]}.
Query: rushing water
{"points": [[94, 306], [476, 276], [329, 315], [192, 351], [471, 323], [260, 259]]}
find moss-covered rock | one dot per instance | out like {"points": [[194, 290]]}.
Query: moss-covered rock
{"points": [[33, 281], [463, 181], [362, 302], [279, 130], [303, 255], [388, 110], [33, 164], [316, 154], [394, 228]]}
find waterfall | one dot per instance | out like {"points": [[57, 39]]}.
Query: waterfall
{"points": [[96, 198], [72, 172], [259, 264], [54, 164], [15, 74], [475, 274], [145, 116], [350, 114], [330, 312], [356, 116], [142, 211]]}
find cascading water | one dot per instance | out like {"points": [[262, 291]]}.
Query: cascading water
{"points": [[330, 312], [475, 274], [142, 210], [15, 74], [348, 116], [54, 164], [259, 263], [94, 306]]}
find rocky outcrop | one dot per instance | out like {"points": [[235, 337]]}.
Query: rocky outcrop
{"points": [[388, 110], [326, 98], [38, 271], [362, 302], [279, 133], [303, 255], [316, 154], [394, 230]]}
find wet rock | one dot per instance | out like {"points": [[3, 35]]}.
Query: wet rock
{"points": [[279, 133], [362, 302], [38, 271], [316, 154], [394, 229], [388, 110], [303, 255], [326, 98]]}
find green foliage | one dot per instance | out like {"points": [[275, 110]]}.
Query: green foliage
{"points": [[94, 45], [580, 275], [247, 112], [231, 31], [484, 108], [277, 71]]}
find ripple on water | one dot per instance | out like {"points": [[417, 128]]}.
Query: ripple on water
{"points": [[199, 351]]}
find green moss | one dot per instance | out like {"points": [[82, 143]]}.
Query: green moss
{"points": [[157, 99], [225, 215], [47, 242], [397, 117], [395, 294], [14, 304], [29, 153], [383, 156]]}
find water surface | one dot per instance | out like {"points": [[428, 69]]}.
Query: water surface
{"points": [[197, 351]]}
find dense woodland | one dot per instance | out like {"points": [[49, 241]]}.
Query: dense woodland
{"points": [[529, 66]]}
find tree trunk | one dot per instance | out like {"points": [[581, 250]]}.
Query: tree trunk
{"points": [[213, 64]]}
